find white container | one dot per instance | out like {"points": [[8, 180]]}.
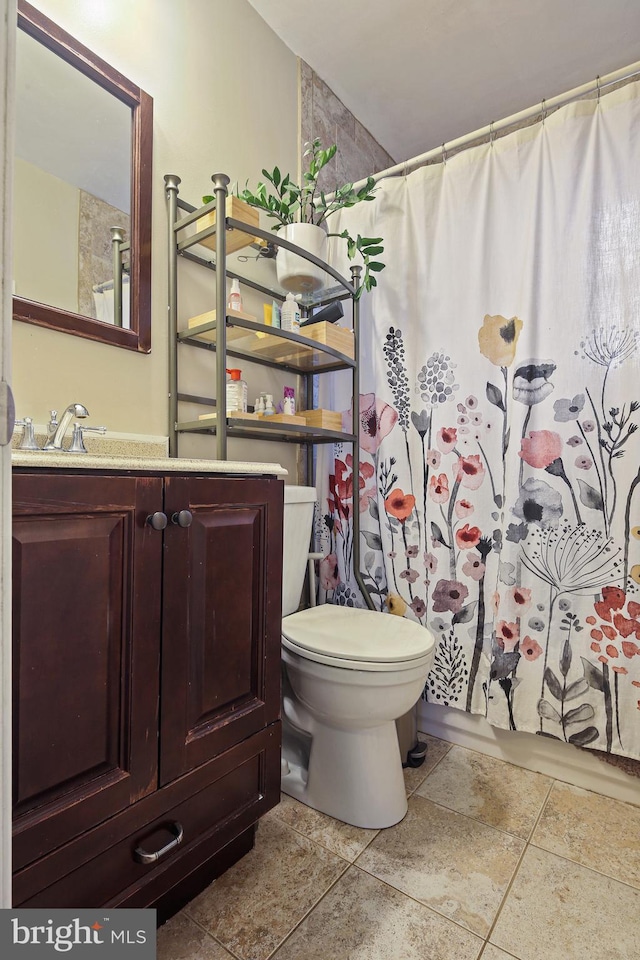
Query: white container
{"points": [[290, 315], [235, 297], [236, 392], [294, 272]]}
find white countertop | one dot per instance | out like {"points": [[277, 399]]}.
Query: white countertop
{"points": [[91, 461]]}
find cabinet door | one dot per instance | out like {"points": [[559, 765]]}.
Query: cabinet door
{"points": [[86, 621], [221, 617]]}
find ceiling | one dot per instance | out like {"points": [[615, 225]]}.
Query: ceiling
{"points": [[418, 73]]}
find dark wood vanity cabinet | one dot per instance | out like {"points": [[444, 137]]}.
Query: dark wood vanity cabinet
{"points": [[146, 682]]}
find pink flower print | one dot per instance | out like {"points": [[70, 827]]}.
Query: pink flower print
{"points": [[433, 459], [476, 419], [468, 536], [584, 463], [574, 441], [376, 421], [449, 595], [507, 635], [418, 606], [463, 508], [447, 439], [540, 448], [530, 648], [471, 402], [588, 426], [463, 419], [430, 562], [411, 551], [474, 567], [329, 576], [409, 575], [470, 471], [439, 488], [520, 598]]}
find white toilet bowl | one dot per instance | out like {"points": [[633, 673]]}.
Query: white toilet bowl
{"points": [[350, 673]]}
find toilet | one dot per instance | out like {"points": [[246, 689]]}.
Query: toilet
{"points": [[348, 675]]}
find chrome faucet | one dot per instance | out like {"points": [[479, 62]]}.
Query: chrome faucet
{"points": [[57, 430]]}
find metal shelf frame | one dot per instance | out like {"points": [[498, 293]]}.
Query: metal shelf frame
{"points": [[233, 427]]}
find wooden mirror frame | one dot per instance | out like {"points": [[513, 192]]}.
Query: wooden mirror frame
{"points": [[138, 337]]}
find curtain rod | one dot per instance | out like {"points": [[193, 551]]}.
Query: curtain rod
{"points": [[626, 73]]}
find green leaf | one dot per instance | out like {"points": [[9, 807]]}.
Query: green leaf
{"points": [[276, 176], [373, 251], [376, 266]]}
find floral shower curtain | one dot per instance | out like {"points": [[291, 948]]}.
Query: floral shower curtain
{"points": [[498, 425]]}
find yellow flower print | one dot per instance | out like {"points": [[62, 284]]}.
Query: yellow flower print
{"points": [[634, 573], [635, 532], [395, 605], [498, 338]]}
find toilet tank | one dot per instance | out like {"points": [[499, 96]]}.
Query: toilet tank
{"points": [[298, 518]]}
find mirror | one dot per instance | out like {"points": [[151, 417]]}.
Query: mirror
{"points": [[82, 190]]}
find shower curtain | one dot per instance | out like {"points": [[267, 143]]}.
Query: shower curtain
{"points": [[498, 425]]}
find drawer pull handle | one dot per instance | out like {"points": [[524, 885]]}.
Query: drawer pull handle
{"points": [[141, 856]]}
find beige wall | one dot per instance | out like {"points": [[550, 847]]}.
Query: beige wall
{"points": [[45, 249], [225, 99]]}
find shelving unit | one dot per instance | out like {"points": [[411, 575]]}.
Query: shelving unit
{"points": [[231, 336]]}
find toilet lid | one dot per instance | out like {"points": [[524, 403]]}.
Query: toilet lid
{"points": [[347, 633]]}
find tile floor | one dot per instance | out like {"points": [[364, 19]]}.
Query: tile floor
{"points": [[491, 861]]}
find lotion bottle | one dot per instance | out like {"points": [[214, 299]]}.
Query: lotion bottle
{"points": [[290, 314], [235, 297], [236, 391]]}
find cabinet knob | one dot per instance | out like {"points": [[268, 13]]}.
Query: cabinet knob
{"points": [[157, 520], [182, 519]]}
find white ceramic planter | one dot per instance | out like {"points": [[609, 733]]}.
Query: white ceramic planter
{"points": [[295, 274]]}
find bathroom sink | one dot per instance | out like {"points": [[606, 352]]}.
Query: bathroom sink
{"points": [[92, 461]]}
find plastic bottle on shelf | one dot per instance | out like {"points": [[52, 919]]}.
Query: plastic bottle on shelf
{"points": [[235, 297], [269, 408], [236, 392], [290, 314]]}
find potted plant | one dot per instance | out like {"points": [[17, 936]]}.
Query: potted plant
{"points": [[302, 213]]}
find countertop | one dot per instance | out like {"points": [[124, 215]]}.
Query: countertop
{"points": [[91, 461]]}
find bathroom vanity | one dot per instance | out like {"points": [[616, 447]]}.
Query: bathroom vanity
{"points": [[146, 646]]}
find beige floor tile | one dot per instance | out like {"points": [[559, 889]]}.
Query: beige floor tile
{"points": [[487, 789], [341, 838], [252, 907], [494, 953], [437, 749], [458, 866], [592, 830], [362, 918], [558, 910], [182, 939]]}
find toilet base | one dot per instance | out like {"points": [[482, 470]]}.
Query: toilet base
{"points": [[353, 775]]}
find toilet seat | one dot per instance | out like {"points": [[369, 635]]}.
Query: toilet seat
{"points": [[355, 639]]}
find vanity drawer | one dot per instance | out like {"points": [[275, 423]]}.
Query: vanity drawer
{"points": [[212, 806]]}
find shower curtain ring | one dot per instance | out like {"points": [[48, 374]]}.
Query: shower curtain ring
{"points": [[444, 154], [543, 110], [492, 134], [598, 88]]}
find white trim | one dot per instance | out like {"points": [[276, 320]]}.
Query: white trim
{"points": [[558, 760]]}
